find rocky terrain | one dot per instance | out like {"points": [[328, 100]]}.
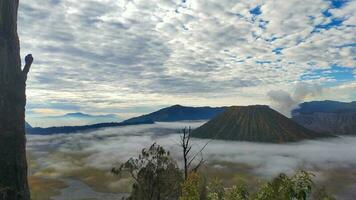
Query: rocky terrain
{"points": [[256, 123], [327, 117]]}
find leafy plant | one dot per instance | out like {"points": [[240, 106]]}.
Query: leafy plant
{"points": [[238, 192], [297, 187], [216, 190], [156, 175], [191, 187]]}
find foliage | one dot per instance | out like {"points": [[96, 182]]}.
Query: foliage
{"points": [[238, 192], [283, 187], [302, 185], [156, 175], [213, 196], [191, 187], [215, 190]]}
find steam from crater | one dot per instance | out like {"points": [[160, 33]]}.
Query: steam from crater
{"points": [[284, 101]]}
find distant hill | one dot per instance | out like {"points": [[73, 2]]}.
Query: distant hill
{"points": [[258, 123], [331, 117], [179, 113], [83, 115], [74, 129], [73, 119], [325, 107], [169, 114], [77, 119]]}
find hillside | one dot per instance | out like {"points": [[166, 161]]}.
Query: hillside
{"points": [[327, 117], [74, 129], [169, 114], [325, 107], [256, 123], [179, 113], [73, 119]]}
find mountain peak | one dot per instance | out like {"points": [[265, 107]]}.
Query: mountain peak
{"points": [[179, 113], [176, 106], [77, 114], [80, 114], [257, 106], [256, 123]]}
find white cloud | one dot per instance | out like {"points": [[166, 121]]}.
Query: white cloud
{"points": [[103, 148], [101, 55]]}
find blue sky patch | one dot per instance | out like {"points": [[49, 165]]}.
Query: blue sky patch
{"points": [[277, 51], [338, 73], [256, 11], [326, 13], [346, 45], [334, 22], [263, 62], [334, 4], [338, 3]]}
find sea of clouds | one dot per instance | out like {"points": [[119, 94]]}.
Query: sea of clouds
{"points": [[104, 148]]}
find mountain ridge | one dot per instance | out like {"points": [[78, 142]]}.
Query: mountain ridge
{"points": [[80, 114], [179, 113], [330, 117], [73, 129], [74, 119], [327, 106], [168, 114]]}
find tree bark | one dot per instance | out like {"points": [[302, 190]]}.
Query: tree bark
{"points": [[13, 166]]}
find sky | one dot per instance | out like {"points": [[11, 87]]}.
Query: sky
{"points": [[129, 57]]}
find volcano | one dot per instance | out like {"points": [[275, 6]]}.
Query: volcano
{"points": [[257, 123]]}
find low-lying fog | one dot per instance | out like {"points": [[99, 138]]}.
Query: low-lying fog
{"points": [[105, 147]]}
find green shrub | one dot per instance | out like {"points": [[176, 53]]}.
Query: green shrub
{"points": [[237, 193], [156, 175], [191, 188]]}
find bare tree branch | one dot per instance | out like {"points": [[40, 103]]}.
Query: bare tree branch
{"points": [[185, 144], [28, 61]]}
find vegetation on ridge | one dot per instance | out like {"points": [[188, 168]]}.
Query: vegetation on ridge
{"points": [[157, 177]]}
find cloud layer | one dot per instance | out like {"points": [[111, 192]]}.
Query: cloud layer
{"points": [[107, 55], [103, 148]]}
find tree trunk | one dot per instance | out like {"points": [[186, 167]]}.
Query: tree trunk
{"points": [[13, 166]]}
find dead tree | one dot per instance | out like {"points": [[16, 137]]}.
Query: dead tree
{"points": [[13, 166], [188, 158]]}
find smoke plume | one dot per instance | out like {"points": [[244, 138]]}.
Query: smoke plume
{"points": [[284, 101]]}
